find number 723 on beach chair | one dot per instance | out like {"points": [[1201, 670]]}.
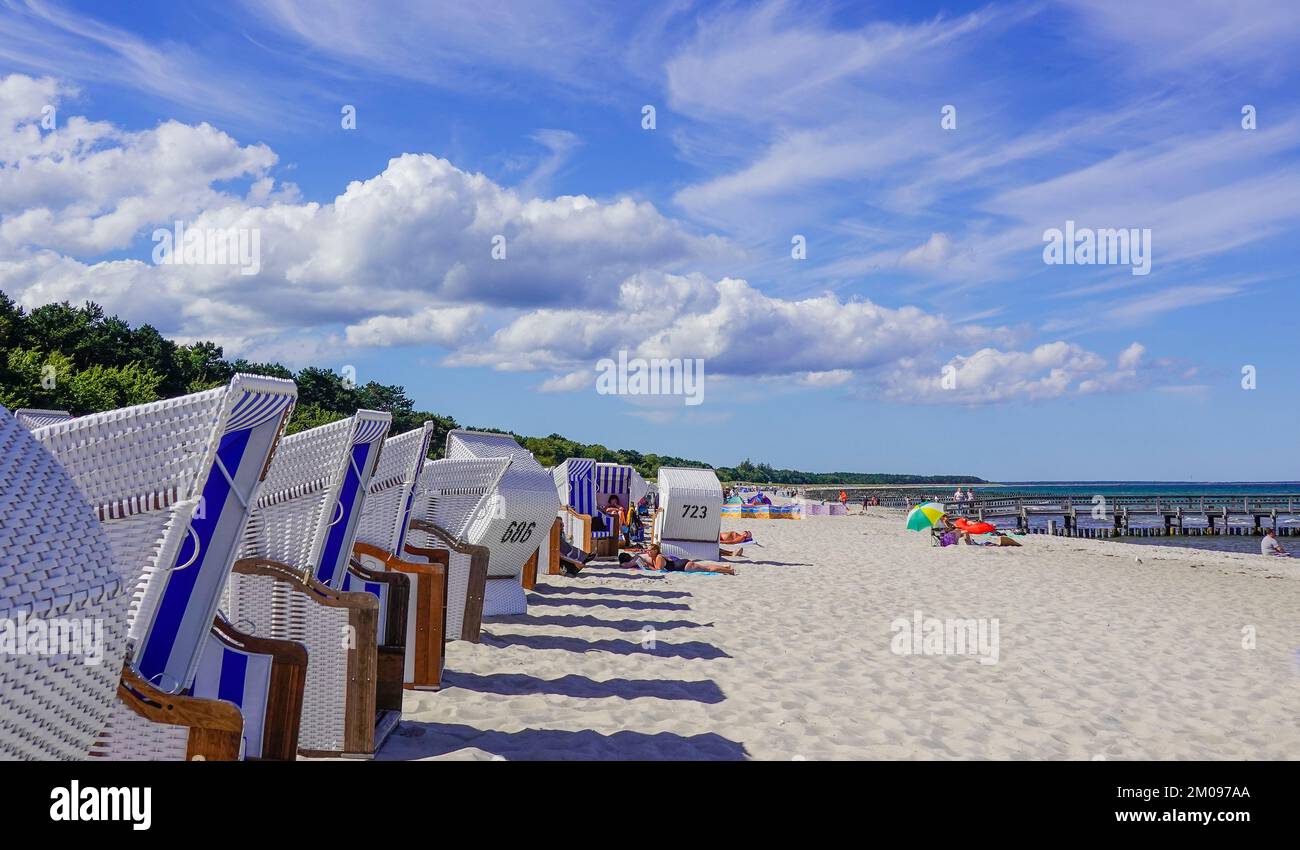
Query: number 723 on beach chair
{"points": [[689, 518], [172, 483]]}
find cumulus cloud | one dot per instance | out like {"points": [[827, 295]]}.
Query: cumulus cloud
{"points": [[406, 258], [932, 254], [441, 326], [990, 375]]}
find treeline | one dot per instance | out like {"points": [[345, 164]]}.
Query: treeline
{"points": [[78, 359], [764, 474]]}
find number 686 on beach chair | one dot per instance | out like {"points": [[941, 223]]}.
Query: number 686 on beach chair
{"points": [[172, 483]]}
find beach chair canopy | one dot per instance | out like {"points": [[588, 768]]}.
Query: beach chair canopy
{"points": [[387, 510], [170, 481], [311, 503], [575, 481], [690, 512], [31, 418], [55, 563], [517, 523]]}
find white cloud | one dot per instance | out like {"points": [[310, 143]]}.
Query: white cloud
{"points": [[934, 253], [582, 379], [440, 326], [990, 375]]}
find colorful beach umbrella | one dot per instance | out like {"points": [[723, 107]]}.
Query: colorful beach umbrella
{"points": [[924, 516]]}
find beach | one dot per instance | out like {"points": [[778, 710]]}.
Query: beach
{"points": [[809, 653]]}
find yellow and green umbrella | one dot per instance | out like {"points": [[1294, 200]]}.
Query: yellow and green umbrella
{"points": [[924, 516]]}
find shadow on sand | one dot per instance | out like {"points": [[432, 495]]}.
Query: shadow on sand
{"points": [[661, 649], [633, 604], [414, 740], [578, 620], [518, 684], [598, 590]]}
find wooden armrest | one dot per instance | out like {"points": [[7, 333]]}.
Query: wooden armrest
{"points": [[430, 607], [399, 589], [284, 696], [363, 658], [472, 621], [216, 726]]}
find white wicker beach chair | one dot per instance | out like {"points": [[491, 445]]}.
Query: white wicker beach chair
{"points": [[171, 482], [689, 518], [293, 561], [453, 497], [31, 418], [56, 568], [420, 626], [520, 520]]}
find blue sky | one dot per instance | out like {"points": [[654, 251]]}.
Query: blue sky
{"points": [[923, 332]]}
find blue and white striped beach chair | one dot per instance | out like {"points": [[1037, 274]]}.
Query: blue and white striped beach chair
{"points": [[584, 522], [381, 534], [171, 482], [56, 567], [293, 562]]}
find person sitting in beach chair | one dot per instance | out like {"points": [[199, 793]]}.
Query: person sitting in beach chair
{"points": [[573, 559], [654, 559], [1270, 546]]}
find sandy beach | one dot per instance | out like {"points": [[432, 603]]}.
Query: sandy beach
{"points": [[1186, 655]]}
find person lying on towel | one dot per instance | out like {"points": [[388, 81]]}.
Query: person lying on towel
{"points": [[653, 559], [737, 539]]}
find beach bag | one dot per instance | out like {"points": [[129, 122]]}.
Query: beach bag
{"points": [[948, 538]]}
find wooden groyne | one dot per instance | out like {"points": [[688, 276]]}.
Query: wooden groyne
{"points": [[1155, 516]]}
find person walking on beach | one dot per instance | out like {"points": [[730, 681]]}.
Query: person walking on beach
{"points": [[1270, 546]]}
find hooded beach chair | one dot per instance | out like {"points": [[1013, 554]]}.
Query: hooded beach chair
{"points": [[171, 482], [689, 518], [520, 521], [381, 534], [31, 418], [293, 561], [584, 523], [56, 567], [623, 481], [485, 511], [445, 528]]}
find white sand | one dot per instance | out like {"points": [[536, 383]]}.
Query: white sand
{"points": [[1099, 657]]}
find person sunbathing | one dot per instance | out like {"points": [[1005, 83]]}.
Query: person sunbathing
{"points": [[653, 559]]}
